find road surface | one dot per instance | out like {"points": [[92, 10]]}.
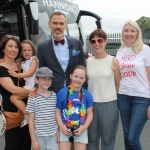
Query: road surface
{"points": [[145, 138]]}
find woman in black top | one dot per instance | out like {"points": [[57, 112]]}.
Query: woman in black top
{"points": [[16, 138]]}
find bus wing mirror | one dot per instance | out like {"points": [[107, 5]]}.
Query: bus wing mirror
{"points": [[88, 13], [98, 23], [33, 18]]}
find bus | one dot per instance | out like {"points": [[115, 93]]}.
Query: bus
{"points": [[29, 19]]}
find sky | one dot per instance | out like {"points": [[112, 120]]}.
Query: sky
{"points": [[114, 13]]}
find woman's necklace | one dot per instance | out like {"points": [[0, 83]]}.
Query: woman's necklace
{"points": [[70, 107]]}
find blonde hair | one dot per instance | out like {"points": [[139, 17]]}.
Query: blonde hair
{"points": [[137, 47]]}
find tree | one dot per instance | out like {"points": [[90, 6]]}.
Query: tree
{"points": [[144, 23]]}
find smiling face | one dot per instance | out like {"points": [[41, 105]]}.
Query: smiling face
{"points": [[57, 26], [98, 44], [43, 82], [27, 51], [78, 77], [11, 49], [129, 35]]}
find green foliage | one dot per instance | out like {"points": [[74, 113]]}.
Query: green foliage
{"points": [[144, 23]]}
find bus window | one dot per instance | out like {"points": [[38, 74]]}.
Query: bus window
{"points": [[41, 37], [8, 24], [73, 30], [4, 29], [44, 31]]}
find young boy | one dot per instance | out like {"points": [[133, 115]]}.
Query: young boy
{"points": [[42, 124]]}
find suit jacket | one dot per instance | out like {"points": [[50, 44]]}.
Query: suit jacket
{"points": [[47, 58]]}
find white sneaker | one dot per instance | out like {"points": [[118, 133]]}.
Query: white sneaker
{"points": [[24, 122]]}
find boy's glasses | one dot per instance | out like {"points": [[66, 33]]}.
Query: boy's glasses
{"points": [[99, 41], [12, 37]]}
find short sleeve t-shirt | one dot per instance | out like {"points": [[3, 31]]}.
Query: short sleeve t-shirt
{"points": [[62, 103], [133, 70], [44, 114]]}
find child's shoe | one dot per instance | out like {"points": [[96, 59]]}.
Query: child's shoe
{"points": [[25, 121]]}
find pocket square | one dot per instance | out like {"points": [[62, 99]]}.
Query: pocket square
{"points": [[75, 52]]}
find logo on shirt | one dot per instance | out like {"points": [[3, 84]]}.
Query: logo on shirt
{"points": [[127, 63], [74, 110]]}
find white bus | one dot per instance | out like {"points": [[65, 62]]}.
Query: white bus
{"points": [[28, 19]]}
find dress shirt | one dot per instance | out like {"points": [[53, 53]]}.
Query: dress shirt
{"points": [[62, 53]]}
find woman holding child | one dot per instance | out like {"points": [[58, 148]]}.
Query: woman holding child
{"points": [[16, 138]]}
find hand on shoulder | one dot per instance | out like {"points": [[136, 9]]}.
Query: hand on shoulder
{"points": [[33, 92]]}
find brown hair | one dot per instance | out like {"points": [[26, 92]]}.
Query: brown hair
{"points": [[56, 13], [3, 43], [98, 32], [79, 67], [32, 46]]}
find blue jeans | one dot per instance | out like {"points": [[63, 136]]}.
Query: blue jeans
{"points": [[133, 111]]}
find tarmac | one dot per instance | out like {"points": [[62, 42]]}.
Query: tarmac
{"points": [[145, 138]]}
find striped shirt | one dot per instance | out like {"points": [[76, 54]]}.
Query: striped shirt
{"points": [[44, 114]]}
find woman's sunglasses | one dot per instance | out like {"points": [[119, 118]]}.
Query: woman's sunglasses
{"points": [[12, 36], [99, 41]]}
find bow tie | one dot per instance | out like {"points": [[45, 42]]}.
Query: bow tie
{"points": [[62, 42]]}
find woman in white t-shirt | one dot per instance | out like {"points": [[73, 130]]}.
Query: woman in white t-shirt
{"points": [[134, 91]]}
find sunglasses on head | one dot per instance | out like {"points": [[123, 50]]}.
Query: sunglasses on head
{"points": [[99, 41], [12, 37]]}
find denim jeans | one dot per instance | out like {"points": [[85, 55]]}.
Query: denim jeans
{"points": [[133, 111]]}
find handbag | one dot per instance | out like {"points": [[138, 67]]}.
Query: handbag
{"points": [[14, 119]]}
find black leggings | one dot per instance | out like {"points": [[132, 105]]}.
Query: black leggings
{"points": [[18, 139]]}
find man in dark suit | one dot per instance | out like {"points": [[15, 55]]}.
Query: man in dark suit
{"points": [[61, 53]]}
